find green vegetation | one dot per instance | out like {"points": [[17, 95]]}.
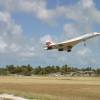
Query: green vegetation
{"points": [[28, 70]]}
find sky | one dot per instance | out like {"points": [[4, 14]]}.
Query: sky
{"points": [[25, 25]]}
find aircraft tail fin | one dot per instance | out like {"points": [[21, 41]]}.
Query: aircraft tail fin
{"points": [[48, 45]]}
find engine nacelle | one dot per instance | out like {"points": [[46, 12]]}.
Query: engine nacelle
{"points": [[61, 49], [69, 50]]}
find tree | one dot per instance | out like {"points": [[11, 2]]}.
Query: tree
{"points": [[3, 71], [37, 70], [98, 71], [11, 69]]}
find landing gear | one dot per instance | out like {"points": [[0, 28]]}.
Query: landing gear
{"points": [[69, 50], [61, 49]]}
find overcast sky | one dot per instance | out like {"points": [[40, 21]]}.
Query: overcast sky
{"points": [[26, 24]]}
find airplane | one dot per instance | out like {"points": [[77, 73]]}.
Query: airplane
{"points": [[69, 44]]}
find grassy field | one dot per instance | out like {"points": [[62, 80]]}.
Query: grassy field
{"points": [[52, 88]]}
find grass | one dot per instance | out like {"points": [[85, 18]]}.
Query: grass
{"points": [[52, 88]]}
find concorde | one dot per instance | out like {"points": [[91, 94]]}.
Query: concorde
{"points": [[69, 44]]}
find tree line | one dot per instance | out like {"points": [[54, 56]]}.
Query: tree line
{"points": [[28, 70]]}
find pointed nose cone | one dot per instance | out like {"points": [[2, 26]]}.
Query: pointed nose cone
{"points": [[96, 33]]}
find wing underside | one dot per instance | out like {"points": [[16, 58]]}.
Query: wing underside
{"points": [[67, 45]]}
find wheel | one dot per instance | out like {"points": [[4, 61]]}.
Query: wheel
{"points": [[69, 50]]}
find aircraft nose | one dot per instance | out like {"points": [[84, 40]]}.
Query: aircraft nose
{"points": [[96, 33]]}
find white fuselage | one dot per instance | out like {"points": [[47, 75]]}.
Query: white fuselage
{"points": [[83, 37]]}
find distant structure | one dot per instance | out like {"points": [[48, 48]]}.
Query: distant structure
{"points": [[78, 73], [83, 73]]}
